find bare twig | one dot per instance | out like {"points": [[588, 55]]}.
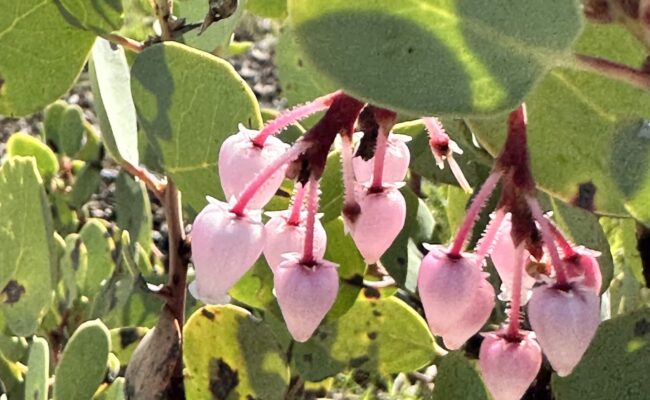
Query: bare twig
{"points": [[125, 42], [611, 69], [163, 10]]}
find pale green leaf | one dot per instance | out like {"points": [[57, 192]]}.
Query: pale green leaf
{"points": [[22, 144], [27, 252], [428, 57], [42, 55], [375, 335], [243, 359], [188, 102], [99, 16], [82, 365], [38, 373], [111, 83]]}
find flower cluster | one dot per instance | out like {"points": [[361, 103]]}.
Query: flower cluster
{"points": [[562, 294], [537, 265]]}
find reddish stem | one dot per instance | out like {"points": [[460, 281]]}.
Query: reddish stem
{"points": [[487, 241], [547, 237], [348, 171], [259, 180], [294, 115], [296, 207], [378, 159], [473, 213], [567, 248], [613, 70], [515, 301], [312, 208]]}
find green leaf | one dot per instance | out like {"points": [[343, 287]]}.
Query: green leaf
{"points": [[268, 8], [22, 144], [376, 335], [458, 379], [100, 248], [27, 252], [38, 372], [83, 364], [217, 36], [428, 57], [125, 340], [300, 82], [255, 288], [64, 127], [111, 84], [331, 200], [626, 290], [615, 365], [86, 183], [134, 216], [187, 115], [582, 228], [341, 250], [402, 259], [588, 135], [243, 359], [98, 16], [31, 79], [113, 295], [73, 269], [116, 391], [65, 219]]}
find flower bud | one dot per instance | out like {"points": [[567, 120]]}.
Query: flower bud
{"points": [[447, 287], [224, 247], [505, 262], [583, 264], [283, 238], [474, 317], [509, 366], [380, 221], [396, 161], [240, 161], [305, 294], [565, 320]]}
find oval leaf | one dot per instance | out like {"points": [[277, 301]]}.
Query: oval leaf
{"points": [[38, 372], [376, 335], [427, 57], [27, 252], [83, 364], [29, 80], [186, 110], [243, 359], [111, 83]]}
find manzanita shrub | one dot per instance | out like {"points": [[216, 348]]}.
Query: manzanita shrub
{"points": [[454, 203]]}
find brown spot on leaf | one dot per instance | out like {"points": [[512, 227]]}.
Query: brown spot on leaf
{"points": [[208, 314], [642, 327], [371, 293], [13, 292], [75, 254], [585, 197], [630, 7], [372, 335], [377, 313], [128, 336], [223, 379]]}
